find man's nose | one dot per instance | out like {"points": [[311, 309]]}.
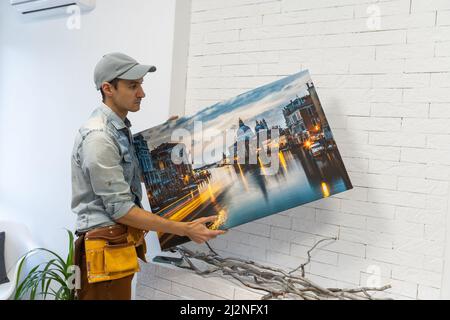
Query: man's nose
{"points": [[141, 93]]}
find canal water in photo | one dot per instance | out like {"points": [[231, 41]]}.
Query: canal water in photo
{"points": [[248, 194], [241, 193]]}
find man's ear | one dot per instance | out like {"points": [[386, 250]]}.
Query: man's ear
{"points": [[107, 89]]}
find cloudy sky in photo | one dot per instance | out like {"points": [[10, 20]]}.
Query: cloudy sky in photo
{"points": [[264, 102]]}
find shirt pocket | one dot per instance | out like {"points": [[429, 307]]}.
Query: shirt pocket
{"points": [[127, 164]]}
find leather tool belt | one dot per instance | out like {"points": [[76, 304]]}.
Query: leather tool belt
{"points": [[112, 252]]}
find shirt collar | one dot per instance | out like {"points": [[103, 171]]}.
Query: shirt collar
{"points": [[116, 121]]}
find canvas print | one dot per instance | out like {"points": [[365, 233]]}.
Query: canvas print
{"points": [[262, 152]]}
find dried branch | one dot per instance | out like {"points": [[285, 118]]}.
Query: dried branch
{"points": [[275, 282], [211, 249], [302, 266]]}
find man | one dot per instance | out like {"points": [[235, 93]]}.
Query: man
{"points": [[106, 189]]}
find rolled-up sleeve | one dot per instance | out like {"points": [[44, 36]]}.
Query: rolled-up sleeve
{"points": [[101, 161]]}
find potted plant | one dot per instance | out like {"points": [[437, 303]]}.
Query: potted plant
{"points": [[42, 278]]}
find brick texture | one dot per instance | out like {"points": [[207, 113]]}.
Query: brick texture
{"points": [[382, 71]]}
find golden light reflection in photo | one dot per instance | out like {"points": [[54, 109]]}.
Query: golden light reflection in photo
{"points": [[325, 189]]}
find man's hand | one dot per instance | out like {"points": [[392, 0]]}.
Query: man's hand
{"points": [[195, 230], [198, 232]]}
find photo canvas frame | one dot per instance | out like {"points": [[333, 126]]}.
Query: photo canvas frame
{"points": [[262, 152]]}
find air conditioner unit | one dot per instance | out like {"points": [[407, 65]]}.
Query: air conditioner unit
{"points": [[37, 7]]}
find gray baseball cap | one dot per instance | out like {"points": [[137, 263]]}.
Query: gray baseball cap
{"points": [[119, 65]]}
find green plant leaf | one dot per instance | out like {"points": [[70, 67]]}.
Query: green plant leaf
{"points": [[33, 291], [69, 260], [60, 268], [19, 291], [47, 286], [47, 267], [54, 270]]}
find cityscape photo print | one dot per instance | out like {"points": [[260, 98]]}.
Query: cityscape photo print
{"points": [[260, 153]]}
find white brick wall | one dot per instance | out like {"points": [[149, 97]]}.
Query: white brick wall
{"points": [[160, 282], [386, 93]]}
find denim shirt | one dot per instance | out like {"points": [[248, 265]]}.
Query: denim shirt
{"points": [[105, 171]]}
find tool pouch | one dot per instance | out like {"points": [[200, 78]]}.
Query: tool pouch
{"points": [[110, 254]]}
